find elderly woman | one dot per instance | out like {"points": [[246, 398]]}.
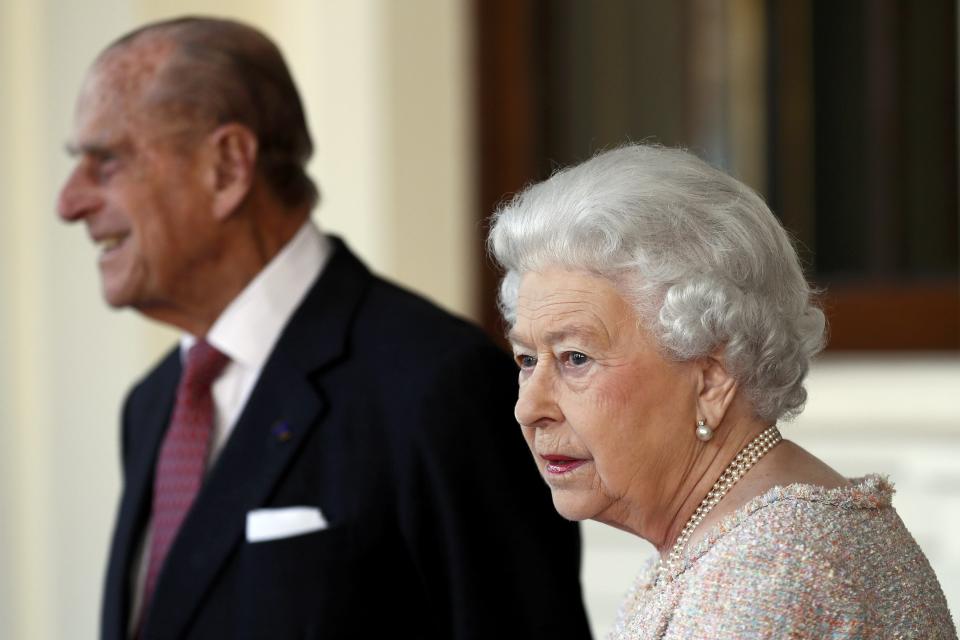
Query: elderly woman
{"points": [[662, 327]]}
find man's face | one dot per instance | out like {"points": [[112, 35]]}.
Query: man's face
{"points": [[142, 192]]}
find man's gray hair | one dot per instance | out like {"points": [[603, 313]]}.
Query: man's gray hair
{"points": [[700, 256], [224, 71]]}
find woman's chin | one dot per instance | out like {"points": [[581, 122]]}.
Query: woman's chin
{"points": [[575, 507]]}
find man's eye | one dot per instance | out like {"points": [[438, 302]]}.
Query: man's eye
{"points": [[526, 361], [576, 358], [106, 167]]}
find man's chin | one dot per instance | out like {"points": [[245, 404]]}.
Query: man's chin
{"points": [[115, 297]]}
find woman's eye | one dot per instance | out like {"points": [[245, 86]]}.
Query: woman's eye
{"points": [[576, 358], [525, 361]]}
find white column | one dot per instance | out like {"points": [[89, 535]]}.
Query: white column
{"points": [[387, 91], [24, 436]]}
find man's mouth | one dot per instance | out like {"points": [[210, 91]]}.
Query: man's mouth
{"points": [[109, 243], [559, 464]]}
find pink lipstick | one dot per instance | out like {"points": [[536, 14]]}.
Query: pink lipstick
{"points": [[562, 464]]}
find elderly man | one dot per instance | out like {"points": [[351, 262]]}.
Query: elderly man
{"points": [[324, 455]]}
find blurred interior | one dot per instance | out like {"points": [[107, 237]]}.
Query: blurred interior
{"points": [[425, 115]]}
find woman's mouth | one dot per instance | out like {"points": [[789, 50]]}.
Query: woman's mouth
{"points": [[559, 465]]}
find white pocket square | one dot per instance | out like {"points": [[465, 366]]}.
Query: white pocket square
{"points": [[273, 524]]}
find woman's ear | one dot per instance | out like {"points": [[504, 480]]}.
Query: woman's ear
{"points": [[234, 149], [717, 389]]}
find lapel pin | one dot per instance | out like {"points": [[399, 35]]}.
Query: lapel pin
{"points": [[281, 431]]}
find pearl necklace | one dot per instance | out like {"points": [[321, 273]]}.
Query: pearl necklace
{"points": [[747, 457]]}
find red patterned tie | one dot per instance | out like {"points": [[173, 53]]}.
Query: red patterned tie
{"points": [[183, 455]]}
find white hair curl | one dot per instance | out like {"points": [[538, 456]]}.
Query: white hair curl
{"points": [[699, 254]]}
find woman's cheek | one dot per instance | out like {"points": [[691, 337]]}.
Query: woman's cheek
{"points": [[581, 379], [609, 392], [529, 434]]}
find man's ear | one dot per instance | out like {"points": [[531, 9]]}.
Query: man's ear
{"points": [[234, 151], [717, 389]]}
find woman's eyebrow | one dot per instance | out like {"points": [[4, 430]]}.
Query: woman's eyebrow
{"points": [[578, 330], [582, 331], [513, 337]]}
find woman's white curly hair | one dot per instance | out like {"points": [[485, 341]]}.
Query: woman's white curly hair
{"points": [[699, 254]]}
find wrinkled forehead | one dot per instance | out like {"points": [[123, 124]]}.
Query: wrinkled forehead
{"points": [[562, 302]]}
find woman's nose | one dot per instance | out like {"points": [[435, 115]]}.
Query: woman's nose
{"points": [[536, 401]]}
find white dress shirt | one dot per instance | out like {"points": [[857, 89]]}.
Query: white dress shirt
{"points": [[246, 332]]}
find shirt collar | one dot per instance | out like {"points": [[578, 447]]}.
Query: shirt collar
{"points": [[249, 327]]}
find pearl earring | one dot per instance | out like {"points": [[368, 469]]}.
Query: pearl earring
{"points": [[704, 433]]}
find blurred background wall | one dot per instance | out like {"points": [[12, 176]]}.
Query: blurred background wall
{"points": [[425, 113]]}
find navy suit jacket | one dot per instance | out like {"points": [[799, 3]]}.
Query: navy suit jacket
{"points": [[396, 420]]}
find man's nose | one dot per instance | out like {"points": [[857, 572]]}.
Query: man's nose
{"points": [[536, 401], [78, 198]]}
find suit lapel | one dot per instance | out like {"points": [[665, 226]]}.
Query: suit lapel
{"points": [[282, 410]]}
